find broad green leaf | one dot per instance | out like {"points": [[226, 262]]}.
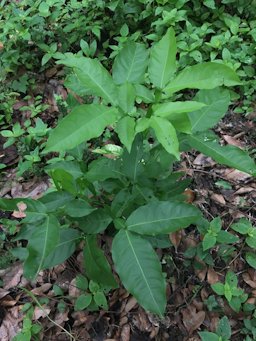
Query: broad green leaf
{"points": [[130, 64], [217, 102], [218, 288], [242, 226], [208, 336], [126, 131], [208, 241], [82, 124], [63, 249], [144, 94], [166, 110], [162, 63], [225, 237], [203, 76], [64, 181], [162, 217], [251, 259], [93, 76], [140, 270], [42, 242], [126, 97], [82, 302], [77, 208], [132, 162], [226, 155], [103, 169], [71, 167], [55, 200], [142, 124], [96, 265], [166, 135], [231, 279], [223, 328], [251, 240], [33, 206], [95, 222], [82, 282]]}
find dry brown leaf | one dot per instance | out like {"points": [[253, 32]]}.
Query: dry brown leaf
{"points": [[232, 141], [21, 210], [130, 304], [175, 238], [10, 325], [250, 279], [42, 289], [204, 161], [73, 291], [212, 276], [3, 293], [39, 312], [236, 175], [12, 277], [192, 319], [244, 190], [218, 198], [125, 333]]}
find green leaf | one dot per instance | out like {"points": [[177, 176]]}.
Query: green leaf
{"points": [[251, 240], [217, 102], [224, 329], [56, 200], [166, 135], [203, 76], [82, 124], [251, 259], [83, 301], [111, 170], [130, 64], [168, 109], [132, 165], [96, 265], [231, 279], [78, 208], [218, 288], [162, 217], [42, 242], [93, 76], [63, 249], [143, 93], [126, 131], [226, 155], [242, 226], [126, 97], [208, 241], [162, 63], [100, 300], [95, 222], [225, 237], [208, 336], [82, 282], [140, 270]]}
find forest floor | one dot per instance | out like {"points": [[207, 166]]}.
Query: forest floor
{"points": [[215, 189]]}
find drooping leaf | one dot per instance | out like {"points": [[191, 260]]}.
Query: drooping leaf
{"points": [[162, 217], [126, 97], [42, 242], [95, 222], [82, 124], [96, 265], [63, 249], [226, 155], [93, 76], [126, 131], [167, 109], [140, 270], [166, 135], [207, 75], [162, 64], [130, 64], [217, 102]]}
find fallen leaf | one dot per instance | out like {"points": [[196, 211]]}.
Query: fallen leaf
{"points": [[21, 210], [232, 141], [125, 333], [218, 198], [39, 312], [175, 238], [212, 276], [11, 324], [192, 319]]}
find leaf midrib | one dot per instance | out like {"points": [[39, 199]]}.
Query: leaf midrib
{"points": [[143, 274], [162, 220]]}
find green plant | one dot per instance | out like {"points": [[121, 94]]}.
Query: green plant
{"points": [[136, 194], [234, 295], [223, 332], [244, 227]]}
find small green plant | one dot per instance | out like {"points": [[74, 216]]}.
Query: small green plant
{"points": [[234, 295], [223, 332], [134, 194], [30, 330]]}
